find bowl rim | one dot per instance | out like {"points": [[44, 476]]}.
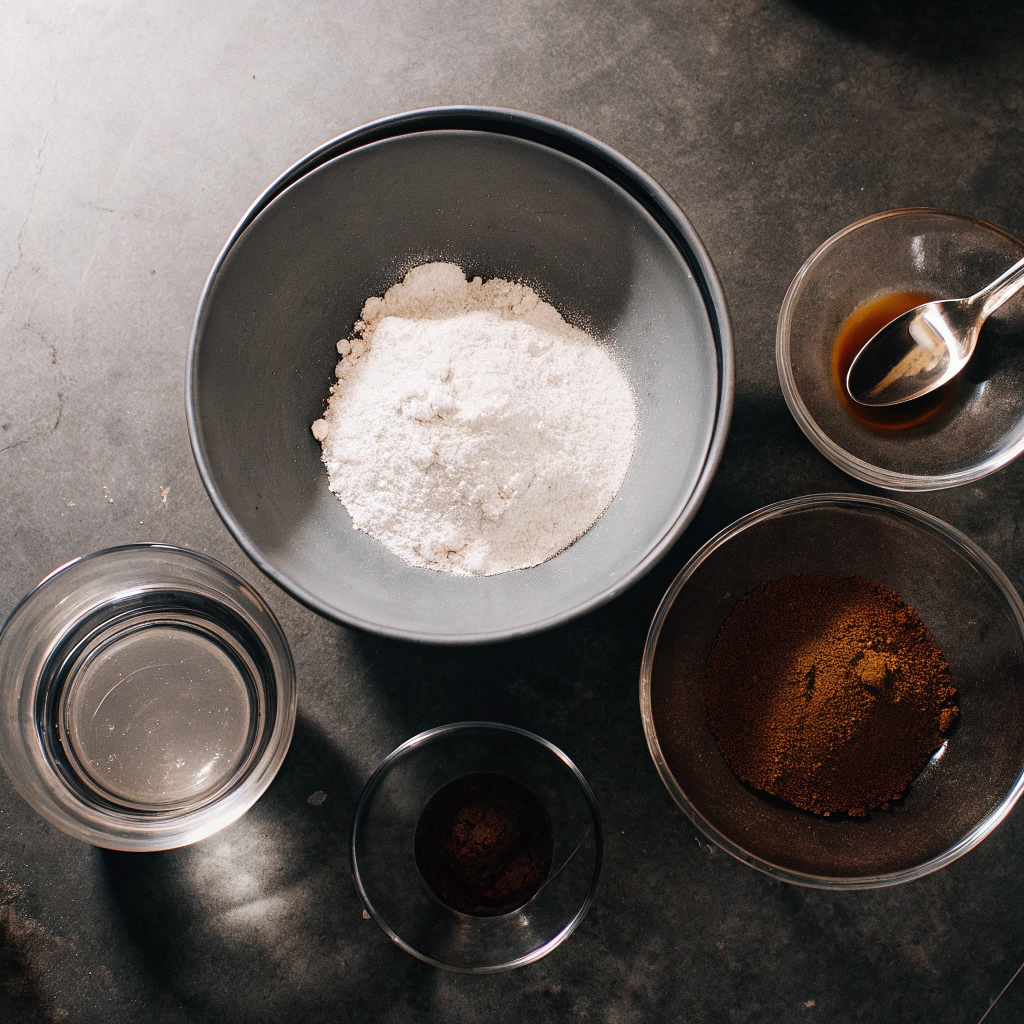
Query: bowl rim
{"points": [[208, 819], [953, 538], [423, 738], [598, 156], [851, 464]]}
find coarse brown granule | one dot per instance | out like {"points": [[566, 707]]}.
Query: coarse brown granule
{"points": [[828, 692]]}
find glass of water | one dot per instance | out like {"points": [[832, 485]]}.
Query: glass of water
{"points": [[147, 697]]}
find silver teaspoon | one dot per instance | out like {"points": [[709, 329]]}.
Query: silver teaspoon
{"points": [[927, 346]]}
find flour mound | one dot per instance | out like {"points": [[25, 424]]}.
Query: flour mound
{"points": [[471, 429]]}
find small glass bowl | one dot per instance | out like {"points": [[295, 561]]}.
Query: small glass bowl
{"points": [[970, 608], [946, 255], [147, 697], [384, 865]]}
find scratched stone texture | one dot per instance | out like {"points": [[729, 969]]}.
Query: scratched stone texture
{"points": [[133, 135]]}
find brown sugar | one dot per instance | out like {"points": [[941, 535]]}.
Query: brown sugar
{"points": [[828, 692]]}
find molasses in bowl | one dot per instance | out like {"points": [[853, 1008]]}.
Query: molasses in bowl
{"points": [[853, 285], [968, 772]]}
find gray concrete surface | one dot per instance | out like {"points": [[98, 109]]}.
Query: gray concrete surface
{"points": [[132, 138]]}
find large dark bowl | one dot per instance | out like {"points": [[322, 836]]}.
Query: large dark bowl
{"points": [[502, 194]]}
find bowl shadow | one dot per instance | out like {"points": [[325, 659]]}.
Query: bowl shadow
{"points": [[261, 922], [939, 31]]}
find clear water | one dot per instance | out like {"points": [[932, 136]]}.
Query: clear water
{"points": [[157, 713]]}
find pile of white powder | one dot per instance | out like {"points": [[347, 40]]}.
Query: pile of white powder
{"points": [[471, 429]]}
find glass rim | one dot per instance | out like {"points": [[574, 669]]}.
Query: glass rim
{"points": [[858, 468], [419, 740], [949, 535]]}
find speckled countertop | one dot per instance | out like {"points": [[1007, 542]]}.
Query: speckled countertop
{"points": [[132, 137]]}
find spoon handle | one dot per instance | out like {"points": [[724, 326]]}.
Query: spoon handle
{"points": [[1002, 288]]}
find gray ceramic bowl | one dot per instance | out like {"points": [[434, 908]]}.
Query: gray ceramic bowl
{"points": [[389, 882], [502, 194]]}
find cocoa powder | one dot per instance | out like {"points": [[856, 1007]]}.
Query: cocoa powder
{"points": [[484, 844], [828, 692]]}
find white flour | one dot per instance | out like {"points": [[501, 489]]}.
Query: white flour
{"points": [[471, 429]]}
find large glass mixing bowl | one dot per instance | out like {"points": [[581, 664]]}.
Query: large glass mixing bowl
{"points": [[972, 611]]}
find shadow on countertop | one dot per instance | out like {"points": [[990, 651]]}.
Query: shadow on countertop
{"points": [[261, 922], [21, 993], [943, 31]]}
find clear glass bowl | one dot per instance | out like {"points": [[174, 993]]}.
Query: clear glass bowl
{"points": [[969, 606], [384, 866], [147, 697], [946, 255]]}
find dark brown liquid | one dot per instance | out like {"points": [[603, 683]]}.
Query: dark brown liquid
{"points": [[484, 844], [860, 326]]}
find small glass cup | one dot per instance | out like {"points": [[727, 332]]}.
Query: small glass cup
{"points": [[147, 697], [384, 865], [945, 255]]}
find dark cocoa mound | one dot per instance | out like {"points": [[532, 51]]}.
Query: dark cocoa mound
{"points": [[484, 844], [828, 692]]}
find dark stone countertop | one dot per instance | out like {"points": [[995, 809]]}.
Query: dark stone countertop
{"points": [[133, 137]]}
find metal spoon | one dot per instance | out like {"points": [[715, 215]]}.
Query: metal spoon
{"points": [[927, 346]]}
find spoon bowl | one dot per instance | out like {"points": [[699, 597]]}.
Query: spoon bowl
{"points": [[927, 346]]}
